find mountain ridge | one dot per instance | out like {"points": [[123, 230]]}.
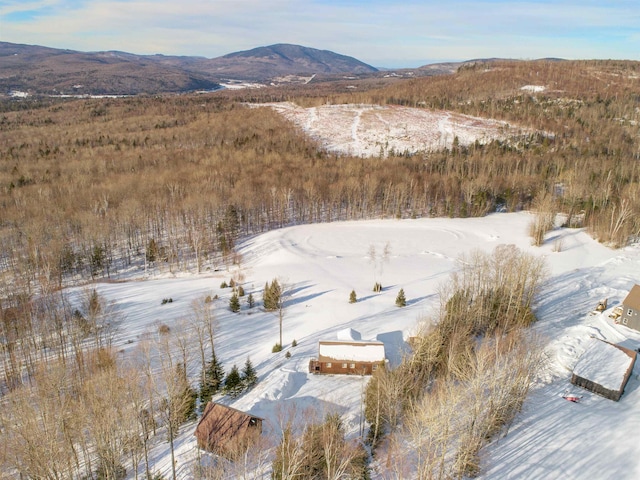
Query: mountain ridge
{"points": [[44, 70]]}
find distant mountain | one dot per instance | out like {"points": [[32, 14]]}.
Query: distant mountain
{"points": [[43, 70], [267, 63]]}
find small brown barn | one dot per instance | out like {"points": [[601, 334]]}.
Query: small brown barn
{"points": [[604, 369], [224, 430], [631, 309], [350, 357]]}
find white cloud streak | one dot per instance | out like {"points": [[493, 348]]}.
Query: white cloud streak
{"points": [[377, 32]]}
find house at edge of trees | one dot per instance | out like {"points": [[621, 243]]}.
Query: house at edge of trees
{"points": [[631, 309], [604, 369], [348, 355], [225, 430]]}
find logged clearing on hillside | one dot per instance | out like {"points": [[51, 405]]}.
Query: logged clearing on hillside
{"points": [[366, 130]]}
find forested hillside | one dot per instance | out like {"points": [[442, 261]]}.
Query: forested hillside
{"points": [[91, 187], [86, 185]]}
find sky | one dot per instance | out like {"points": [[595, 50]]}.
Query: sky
{"points": [[382, 33]]}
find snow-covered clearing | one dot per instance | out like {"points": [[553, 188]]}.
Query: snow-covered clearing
{"points": [[322, 263], [533, 88], [375, 130]]}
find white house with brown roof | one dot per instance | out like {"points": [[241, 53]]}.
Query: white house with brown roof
{"points": [[348, 355], [631, 309]]}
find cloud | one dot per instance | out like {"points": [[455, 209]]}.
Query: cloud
{"points": [[377, 31]]}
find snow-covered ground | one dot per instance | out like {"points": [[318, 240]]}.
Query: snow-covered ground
{"points": [[533, 88], [322, 263], [376, 130]]}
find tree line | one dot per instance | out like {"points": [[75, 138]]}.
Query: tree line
{"points": [[468, 374]]}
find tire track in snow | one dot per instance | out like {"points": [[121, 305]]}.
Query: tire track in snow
{"points": [[355, 127], [312, 117], [445, 129]]}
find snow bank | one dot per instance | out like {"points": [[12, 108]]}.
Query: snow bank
{"points": [[348, 334], [533, 88]]}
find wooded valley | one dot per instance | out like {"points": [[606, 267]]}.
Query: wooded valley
{"points": [[92, 187], [96, 188]]}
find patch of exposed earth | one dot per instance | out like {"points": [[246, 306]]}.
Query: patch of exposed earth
{"points": [[375, 130]]}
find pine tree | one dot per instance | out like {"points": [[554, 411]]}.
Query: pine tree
{"points": [[272, 295], [185, 400], [234, 303], [249, 375], [240, 291], [276, 293], [152, 251], [233, 382], [250, 301], [401, 301], [95, 306], [265, 296], [213, 378], [352, 297]]}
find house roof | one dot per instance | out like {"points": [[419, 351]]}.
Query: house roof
{"points": [[632, 300], [220, 425], [355, 351], [605, 364]]}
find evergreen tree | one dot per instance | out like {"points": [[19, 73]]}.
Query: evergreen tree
{"points": [[401, 301], [184, 402], [152, 251], [233, 382], [95, 305], [272, 295], [213, 378], [250, 301], [97, 259], [352, 297], [276, 293], [249, 375], [234, 303], [240, 291], [265, 296]]}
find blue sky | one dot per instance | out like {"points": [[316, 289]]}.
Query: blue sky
{"points": [[383, 33]]}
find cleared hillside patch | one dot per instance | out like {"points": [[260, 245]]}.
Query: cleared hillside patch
{"points": [[367, 130]]}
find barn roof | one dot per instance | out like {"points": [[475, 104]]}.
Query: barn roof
{"points": [[632, 299], [605, 364], [220, 425], [355, 351]]}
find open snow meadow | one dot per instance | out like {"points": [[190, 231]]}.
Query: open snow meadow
{"points": [[320, 264]]}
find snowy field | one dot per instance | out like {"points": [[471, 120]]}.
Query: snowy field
{"points": [[375, 130], [552, 438]]}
